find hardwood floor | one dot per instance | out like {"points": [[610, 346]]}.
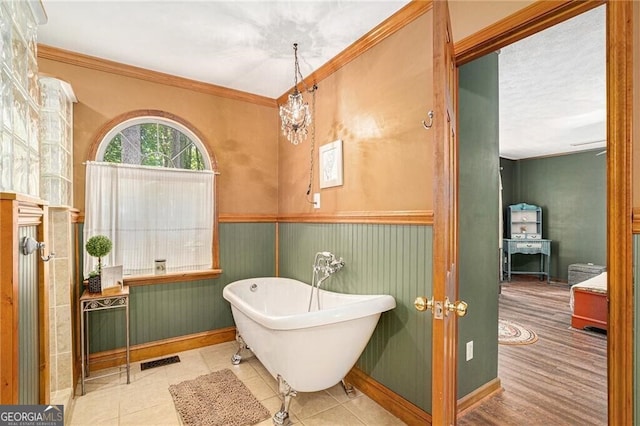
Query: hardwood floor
{"points": [[559, 380]]}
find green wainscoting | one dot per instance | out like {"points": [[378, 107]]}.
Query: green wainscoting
{"points": [[479, 227], [28, 322], [571, 189], [379, 259], [636, 338], [169, 310]]}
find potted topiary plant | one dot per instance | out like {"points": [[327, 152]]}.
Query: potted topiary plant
{"points": [[97, 246]]}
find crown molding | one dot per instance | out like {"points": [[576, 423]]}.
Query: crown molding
{"points": [[104, 65], [390, 26], [525, 22]]}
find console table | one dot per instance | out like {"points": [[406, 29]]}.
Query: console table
{"points": [[524, 246], [90, 302]]}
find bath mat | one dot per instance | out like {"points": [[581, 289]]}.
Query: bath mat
{"points": [[159, 362], [218, 398], [510, 333]]}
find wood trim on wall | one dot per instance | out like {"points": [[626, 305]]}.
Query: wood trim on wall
{"points": [[75, 215], [16, 211], [172, 277], [104, 65], [527, 21], [44, 348], [636, 220], [416, 217], [619, 169], [620, 339], [390, 26], [469, 401], [405, 410], [247, 218], [8, 301], [116, 357]]}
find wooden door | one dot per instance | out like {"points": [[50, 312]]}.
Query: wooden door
{"points": [[445, 232]]}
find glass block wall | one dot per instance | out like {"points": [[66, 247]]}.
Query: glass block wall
{"points": [[19, 100], [56, 149]]}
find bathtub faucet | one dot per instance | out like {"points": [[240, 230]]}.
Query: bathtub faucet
{"points": [[327, 264], [324, 265]]}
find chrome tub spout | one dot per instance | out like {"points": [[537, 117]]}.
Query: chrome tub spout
{"points": [[325, 264]]}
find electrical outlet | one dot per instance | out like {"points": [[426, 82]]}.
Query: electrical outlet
{"points": [[316, 200], [470, 350]]}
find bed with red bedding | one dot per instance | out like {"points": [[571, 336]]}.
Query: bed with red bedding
{"points": [[589, 303]]}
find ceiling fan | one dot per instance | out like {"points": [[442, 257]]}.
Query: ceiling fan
{"points": [[590, 143]]}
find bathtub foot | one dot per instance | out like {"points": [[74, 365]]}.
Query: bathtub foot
{"points": [[348, 389], [237, 357], [282, 416]]}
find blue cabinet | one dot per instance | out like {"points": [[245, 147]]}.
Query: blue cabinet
{"points": [[525, 222], [524, 232]]}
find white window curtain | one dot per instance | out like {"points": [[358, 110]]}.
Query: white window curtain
{"points": [[150, 213]]}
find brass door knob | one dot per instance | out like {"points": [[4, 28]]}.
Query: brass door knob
{"points": [[422, 303], [459, 307]]}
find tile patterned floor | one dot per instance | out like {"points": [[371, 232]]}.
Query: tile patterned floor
{"points": [[146, 400]]}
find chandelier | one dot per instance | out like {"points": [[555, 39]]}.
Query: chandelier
{"points": [[295, 115]]}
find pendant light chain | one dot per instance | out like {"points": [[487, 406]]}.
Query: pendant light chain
{"points": [[296, 68], [313, 141]]}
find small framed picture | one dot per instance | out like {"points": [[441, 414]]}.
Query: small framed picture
{"points": [[111, 278], [331, 164]]}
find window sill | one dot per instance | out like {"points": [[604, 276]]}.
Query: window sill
{"points": [[172, 277]]}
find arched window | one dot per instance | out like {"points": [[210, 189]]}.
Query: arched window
{"points": [[151, 191], [153, 141]]}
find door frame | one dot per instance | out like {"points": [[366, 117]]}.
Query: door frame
{"points": [[532, 19]]}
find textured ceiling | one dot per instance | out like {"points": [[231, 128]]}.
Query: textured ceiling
{"points": [[243, 45], [553, 90], [552, 84]]}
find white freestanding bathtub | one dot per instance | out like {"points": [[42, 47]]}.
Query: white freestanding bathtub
{"points": [[309, 351]]}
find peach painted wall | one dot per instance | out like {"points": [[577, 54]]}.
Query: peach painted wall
{"points": [[375, 105], [469, 17], [241, 135]]}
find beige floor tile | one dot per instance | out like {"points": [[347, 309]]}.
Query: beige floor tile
{"points": [[148, 376], [340, 395], [307, 404], [188, 368], [259, 388], [334, 416], [94, 422], [136, 396], [109, 375], [97, 407], [216, 362], [243, 370], [147, 401], [158, 415], [370, 412], [264, 373]]}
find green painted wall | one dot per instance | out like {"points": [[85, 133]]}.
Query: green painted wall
{"points": [[379, 259], [507, 173], [479, 227], [571, 189], [169, 310]]}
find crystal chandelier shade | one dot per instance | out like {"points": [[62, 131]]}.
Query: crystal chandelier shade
{"points": [[295, 115]]}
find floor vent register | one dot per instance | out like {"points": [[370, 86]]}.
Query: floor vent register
{"points": [[159, 362]]}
